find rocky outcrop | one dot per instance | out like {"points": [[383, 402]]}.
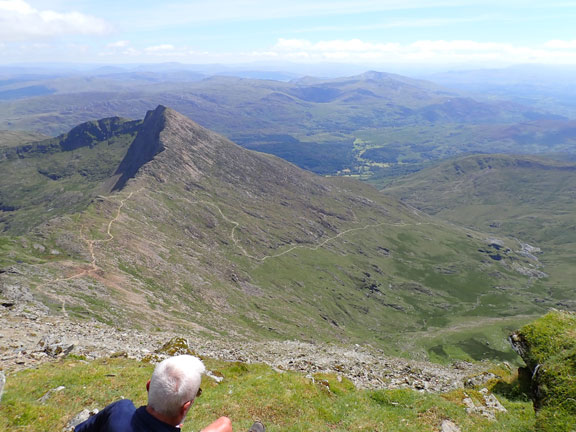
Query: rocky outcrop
{"points": [[83, 135], [79, 418], [488, 408], [548, 347], [32, 338], [449, 426], [145, 146]]}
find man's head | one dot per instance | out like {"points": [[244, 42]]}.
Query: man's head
{"points": [[175, 382]]}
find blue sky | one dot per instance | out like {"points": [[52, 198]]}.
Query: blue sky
{"points": [[366, 32]]}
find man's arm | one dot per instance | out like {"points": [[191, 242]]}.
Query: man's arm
{"points": [[223, 424], [115, 416]]}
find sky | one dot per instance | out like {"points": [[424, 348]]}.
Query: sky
{"points": [[375, 33]]}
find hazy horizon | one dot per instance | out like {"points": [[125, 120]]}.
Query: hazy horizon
{"points": [[384, 35]]}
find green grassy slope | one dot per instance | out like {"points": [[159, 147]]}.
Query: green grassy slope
{"points": [[524, 197], [549, 349], [283, 401]]}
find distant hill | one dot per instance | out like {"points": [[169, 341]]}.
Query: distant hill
{"points": [[15, 138], [522, 196], [329, 126], [181, 228], [551, 87]]}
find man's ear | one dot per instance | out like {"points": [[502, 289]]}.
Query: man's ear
{"points": [[186, 407], [148, 386]]}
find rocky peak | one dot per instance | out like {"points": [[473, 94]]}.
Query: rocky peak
{"points": [[172, 147], [145, 146]]}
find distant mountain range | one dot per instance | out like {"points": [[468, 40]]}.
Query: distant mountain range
{"points": [[161, 223], [353, 125], [543, 87]]}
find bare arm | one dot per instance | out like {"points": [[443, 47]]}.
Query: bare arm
{"points": [[223, 424]]}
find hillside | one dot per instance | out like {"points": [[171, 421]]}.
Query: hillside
{"points": [[15, 138], [202, 234], [525, 197], [46, 178]]}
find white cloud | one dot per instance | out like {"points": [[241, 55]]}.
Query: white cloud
{"points": [[560, 44], [118, 44], [426, 51], [19, 22], [160, 48]]}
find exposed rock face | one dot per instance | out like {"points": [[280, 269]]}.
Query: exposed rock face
{"points": [[82, 135], [181, 150], [143, 148], [529, 373]]}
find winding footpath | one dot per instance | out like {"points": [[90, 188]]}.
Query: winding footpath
{"points": [[263, 258], [91, 242]]}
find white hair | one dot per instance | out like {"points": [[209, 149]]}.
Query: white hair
{"points": [[174, 382]]}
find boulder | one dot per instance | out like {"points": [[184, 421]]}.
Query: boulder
{"points": [[449, 426], [79, 418], [2, 384]]}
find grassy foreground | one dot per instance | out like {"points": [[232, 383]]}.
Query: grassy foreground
{"points": [[284, 401]]}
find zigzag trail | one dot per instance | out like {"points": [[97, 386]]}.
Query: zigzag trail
{"points": [[313, 248], [91, 242]]}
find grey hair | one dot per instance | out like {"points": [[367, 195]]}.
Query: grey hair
{"points": [[174, 382]]}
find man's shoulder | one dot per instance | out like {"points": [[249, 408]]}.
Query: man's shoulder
{"points": [[115, 417], [123, 405]]}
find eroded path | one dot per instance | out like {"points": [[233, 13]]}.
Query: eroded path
{"points": [[93, 266]]}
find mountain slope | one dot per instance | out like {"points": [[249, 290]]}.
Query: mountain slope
{"points": [[522, 196], [15, 138], [46, 178], [201, 234]]}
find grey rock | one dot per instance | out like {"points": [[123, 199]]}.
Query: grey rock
{"points": [[492, 402], [2, 384], [479, 380], [38, 247], [488, 410], [55, 347], [49, 393], [449, 426], [79, 418]]}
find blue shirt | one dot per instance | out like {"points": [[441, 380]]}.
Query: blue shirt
{"points": [[122, 416]]}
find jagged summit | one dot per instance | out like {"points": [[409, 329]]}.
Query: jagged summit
{"points": [[143, 148], [172, 147]]}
